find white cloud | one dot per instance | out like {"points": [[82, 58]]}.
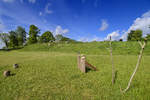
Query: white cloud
{"points": [[141, 23], [2, 27], [60, 31], [104, 25], [28, 18], [147, 14], [40, 13], [114, 36], [96, 39], [83, 39], [32, 1], [89, 39], [8, 1], [47, 10], [1, 44]]}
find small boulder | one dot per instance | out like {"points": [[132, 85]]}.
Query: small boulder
{"points": [[66, 42], [15, 66], [6, 73], [49, 44]]}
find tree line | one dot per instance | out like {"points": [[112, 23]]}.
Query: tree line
{"points": [[18, 37], [136, 35]]}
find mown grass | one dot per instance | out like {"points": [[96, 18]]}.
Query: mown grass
{"points": [[53, 75]]}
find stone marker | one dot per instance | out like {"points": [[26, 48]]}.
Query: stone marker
{"points": [[79, 61], [6, 73], [83, 64], [82, 67], [15, 66]]}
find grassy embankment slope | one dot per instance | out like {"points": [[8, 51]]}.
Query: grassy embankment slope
{"points": [[50, 72]]}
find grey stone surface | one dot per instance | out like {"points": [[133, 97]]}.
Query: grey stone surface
{"points": [[6, 73], [15, 66]]}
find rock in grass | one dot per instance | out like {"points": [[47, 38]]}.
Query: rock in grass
{"points": [[15, 66], [6, 73]]}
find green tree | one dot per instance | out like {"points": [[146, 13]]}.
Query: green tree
{"points": [[47, 37], [134, 35], [66, 39], [13, 39], [60, 37], [148, 37], [33, 34], [5, 38], [21, 35]]}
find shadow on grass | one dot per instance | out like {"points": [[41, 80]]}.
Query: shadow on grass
{"points": [[13, 74], [11, 49], [88, 69], [116, 75]]}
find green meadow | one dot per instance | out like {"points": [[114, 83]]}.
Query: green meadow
{"points": [[49, 72]]}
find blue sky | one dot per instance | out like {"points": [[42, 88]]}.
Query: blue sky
{"points": [[84, 20]]}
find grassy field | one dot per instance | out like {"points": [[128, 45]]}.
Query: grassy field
{"points": [[51, 73]]}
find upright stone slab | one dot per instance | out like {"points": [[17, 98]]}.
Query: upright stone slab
{"points": [[82, 67], [83, 64]]}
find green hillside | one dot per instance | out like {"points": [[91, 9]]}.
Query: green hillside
{"points": [[95, 48], [51, 73]]}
